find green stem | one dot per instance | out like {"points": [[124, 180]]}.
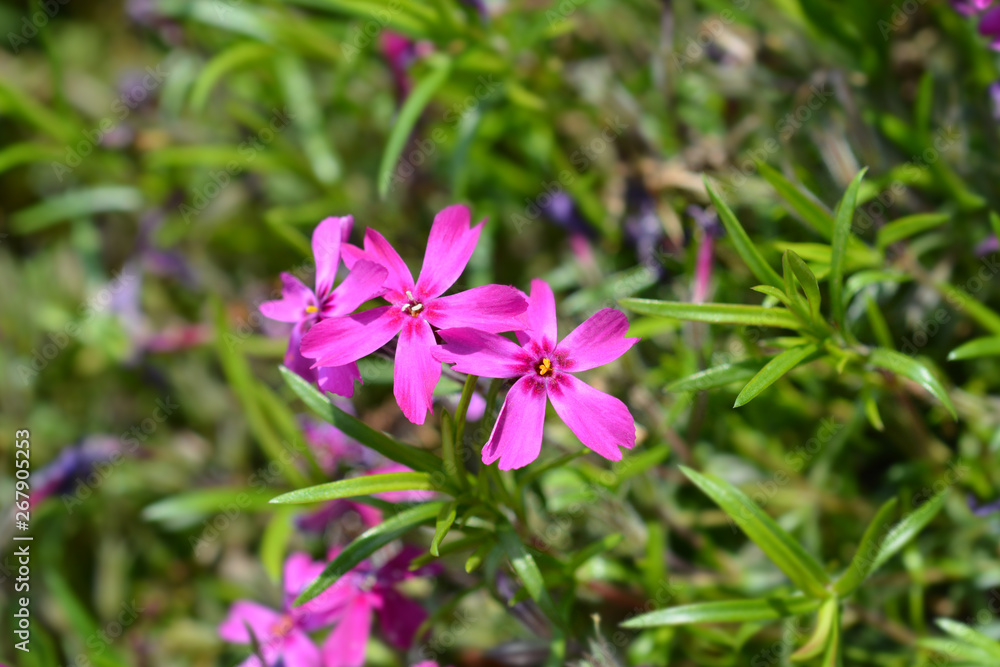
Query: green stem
{"points": [[460, 414], [452, 467]]}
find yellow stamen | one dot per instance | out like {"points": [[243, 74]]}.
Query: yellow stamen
{"points": [[312, 309], [545, 367]]}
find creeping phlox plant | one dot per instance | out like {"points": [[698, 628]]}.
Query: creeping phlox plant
{"points": [[430, 328]]}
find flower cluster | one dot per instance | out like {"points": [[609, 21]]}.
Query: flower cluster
{"points": [[368, 590], [461, 329]]}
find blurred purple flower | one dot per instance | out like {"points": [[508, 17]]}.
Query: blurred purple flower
{"points": [[983, 509], [989, 26], [991, 244], [643, 227], [364, 592], [560, 209], [970, 7], [73, 463], [283, 635], [400, 52], [994, 93]]}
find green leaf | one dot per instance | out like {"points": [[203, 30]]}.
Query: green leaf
{"points": [[408, 116], [774, 369], [718, 376], [783, 297], [995, 223], [411, 457], [807, 279], [910, 368], [308, 117], [188, 508], [904, 228], [980, 347], [444, 521], [274, 543], [804, 571], [730, 611], [861, 564], [76, 204], [239, 55], [744, 246], [841, 235], [716, 313], [907, 528], [863, 279], [834, 652], [967, 302], [877, 321], [970, 636], [807, 207], [526, 568], [358, 486], [368, 543], [820, 637]]}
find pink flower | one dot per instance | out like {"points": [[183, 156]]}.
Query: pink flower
{"points": [[364, 591], [415, 306], [305, 307], [989, 26], [284, 634], [543, 368]]}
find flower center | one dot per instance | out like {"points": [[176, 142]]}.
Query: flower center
{"points": [[312, 309], [545, 367], [283, 626], [414, 307]]}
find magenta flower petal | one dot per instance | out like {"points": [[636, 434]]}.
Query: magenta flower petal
{"points": [[449, 247], [492, 308], [417, 372], [352, 254], [600, 421], [298, 649], [480, 353], [244, 613], [293, 355], [989, 25], [326, 241], [400, 280], [598, 341], [362, 284], [540, 315], [343, 340], [300, 570], [345, 647], [338, 380], [295, 298], [400, 618], [517, 435]]}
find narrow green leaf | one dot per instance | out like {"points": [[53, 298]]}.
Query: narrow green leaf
{"points": [[729, 611], [841, 235], [240, 55], [969, 304], [863, 279], [910, 368], [782, 297], [526, 568], [274, 543], [358, 486], [192, 506], [877, 321], [907, 528], [774, 369], [408, 116], [864, 557], [411, 457], [444, 521], [804, 571], [834, 656], [966, 655], [995, 223], [308, 117], [807, 279], [744, 246], [911, 225], [368, 543], [820, 637], [606, 543], [980, 347], [718, 376], [76, 204], [970, 636], [802, 202], [716, 313], [872, 413]]}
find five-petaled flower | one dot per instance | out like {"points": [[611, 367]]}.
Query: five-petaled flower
{"points": [[414, 308], [543, 368], [305, 307], [284, 634]]}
